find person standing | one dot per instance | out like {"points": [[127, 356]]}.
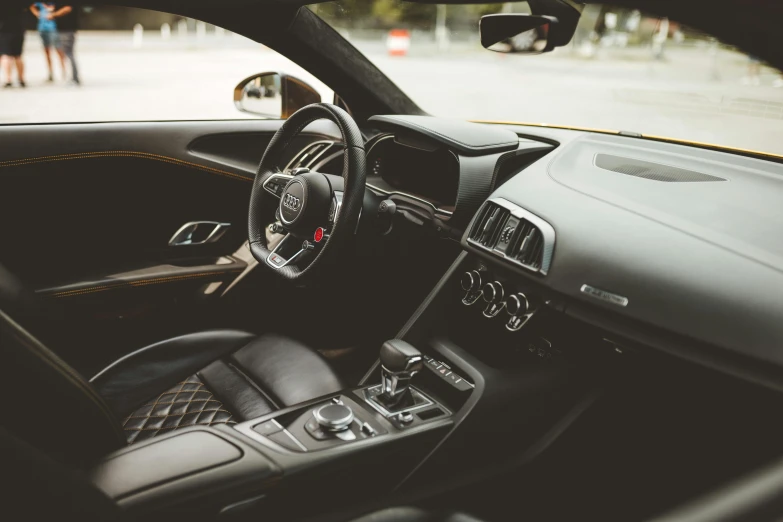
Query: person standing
{"points": [[67, 19], [11, 43], [47, 28]]}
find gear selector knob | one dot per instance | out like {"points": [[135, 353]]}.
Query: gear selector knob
{"points": [[399, 363]]}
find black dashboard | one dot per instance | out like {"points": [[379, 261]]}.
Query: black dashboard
{"points": [[665, 245], [669, 246]]}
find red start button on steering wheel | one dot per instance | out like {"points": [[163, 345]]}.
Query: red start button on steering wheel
{"points": [[319, 234]]}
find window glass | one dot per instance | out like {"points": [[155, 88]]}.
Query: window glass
{"points": [[624, 71], [132, 64]]}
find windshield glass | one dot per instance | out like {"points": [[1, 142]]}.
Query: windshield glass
{"points": [[622, 71]]}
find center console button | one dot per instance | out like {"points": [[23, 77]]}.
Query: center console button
{"points": [[287, 440], [368, 430], [493, 292], [267, 428], [517, 304], [334, 417], [405, 417]]}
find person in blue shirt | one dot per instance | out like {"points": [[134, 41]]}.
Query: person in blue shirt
{"points": [[47, 28]]}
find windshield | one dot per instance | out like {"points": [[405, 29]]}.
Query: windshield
{"points": [[623, 71]]}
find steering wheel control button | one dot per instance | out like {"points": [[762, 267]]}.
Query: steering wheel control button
{"points": [[267, 428], [319, 234], [276, 260], [334, 417]]}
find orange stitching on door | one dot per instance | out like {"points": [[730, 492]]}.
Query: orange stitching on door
{"points": [[122, 153], [141, 282]]}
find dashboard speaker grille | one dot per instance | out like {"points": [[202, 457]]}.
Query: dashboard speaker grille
{"points": [[651, 171]]}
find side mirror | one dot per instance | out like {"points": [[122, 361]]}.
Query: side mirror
{"points": [[517, 33], [274, 95]]}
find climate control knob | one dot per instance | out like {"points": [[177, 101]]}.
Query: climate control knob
{"points": [[493, 292], [471, 281], [517, 304]]}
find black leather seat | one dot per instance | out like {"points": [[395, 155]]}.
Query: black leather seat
{"points": [[214, 377], [414, 514], [207, 378]]}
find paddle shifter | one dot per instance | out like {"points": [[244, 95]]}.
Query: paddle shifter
{"points": [[399, 363]]}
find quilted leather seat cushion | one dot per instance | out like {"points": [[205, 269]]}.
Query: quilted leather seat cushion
{"points": [[222, 376], [188, 403]]}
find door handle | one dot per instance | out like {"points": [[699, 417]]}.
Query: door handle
{"points": [[199, 233]]}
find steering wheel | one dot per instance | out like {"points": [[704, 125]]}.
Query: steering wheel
{"points": [[318, 212]]}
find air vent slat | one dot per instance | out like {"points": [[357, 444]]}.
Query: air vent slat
{"points": [[514, 234], [489, 224], [481, 222], [308, 155]]}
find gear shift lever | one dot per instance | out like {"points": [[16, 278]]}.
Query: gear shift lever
{"points": [[399, 363]]}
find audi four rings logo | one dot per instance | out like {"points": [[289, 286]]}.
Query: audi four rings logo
{"points": [[291, 202]]}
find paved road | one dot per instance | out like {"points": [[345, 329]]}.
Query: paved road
{"points": [[695, 93]]}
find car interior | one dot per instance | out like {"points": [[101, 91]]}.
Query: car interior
{"points": [[356, 311]]}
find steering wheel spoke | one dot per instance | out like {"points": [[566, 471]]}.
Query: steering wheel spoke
{"points": [[285, 253]]}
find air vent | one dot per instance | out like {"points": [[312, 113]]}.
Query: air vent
{"points": [[651, 171], [514, 234], [307, 156], [488, 225], [528, 247]]}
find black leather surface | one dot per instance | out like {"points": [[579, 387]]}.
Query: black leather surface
{"points": [[187, 403], [288, 371], [395, 354], [37, 488], [135, 378], [28, 309], [241, 396], [262, 204], [462, 136], [48, 404], [413, 514], [222, 376]]}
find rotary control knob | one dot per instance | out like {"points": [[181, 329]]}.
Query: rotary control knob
{"points": [[334, 417], [493, 293], [471, 281], [517, 304]]}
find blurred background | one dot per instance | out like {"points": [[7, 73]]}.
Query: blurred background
{"points": [[623, 70]]}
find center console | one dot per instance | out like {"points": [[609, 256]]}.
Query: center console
{"points": [[485, 375]]}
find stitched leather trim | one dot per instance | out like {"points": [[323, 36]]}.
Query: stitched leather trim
{"points": [[123, 153], [189, 403], [139, 283]]}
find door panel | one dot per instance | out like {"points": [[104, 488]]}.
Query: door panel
{"points": [[87, 212]]}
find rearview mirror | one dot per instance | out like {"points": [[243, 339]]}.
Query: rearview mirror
{"points": [[516, 33], [273, 95]]}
